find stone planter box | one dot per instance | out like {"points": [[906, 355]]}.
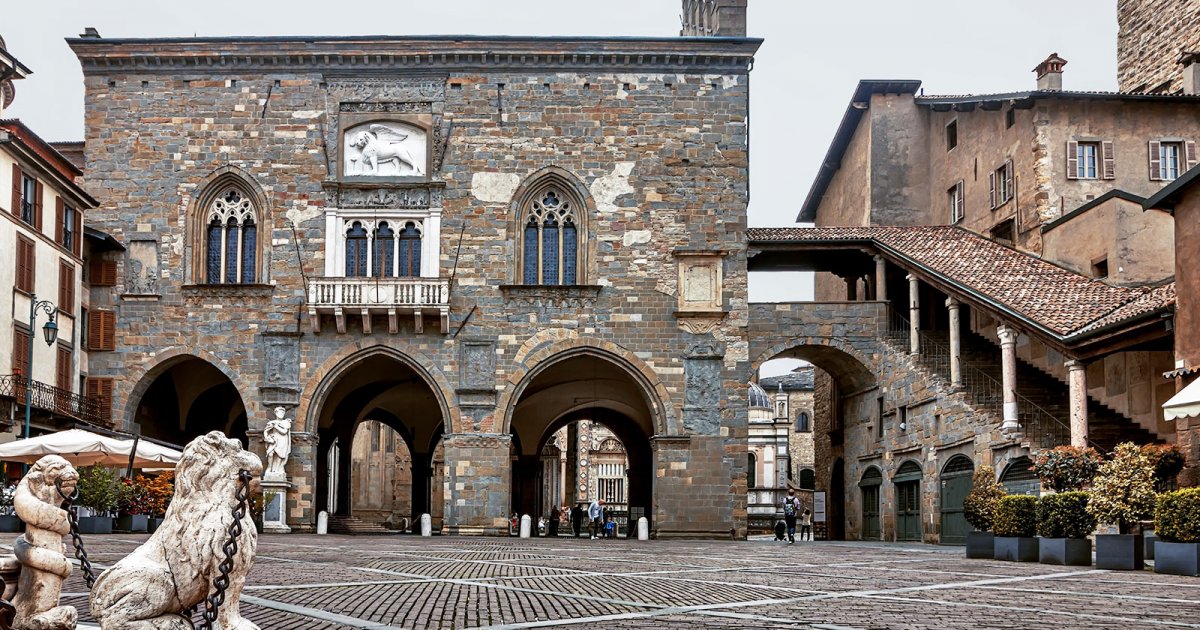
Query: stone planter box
{"points": [[1076, 552], [132, 523], [1016, 549], [95, 525], [981, 545], [1120, 552], [1150, 539], [153, 524], [1177, 558], [11, 523]]}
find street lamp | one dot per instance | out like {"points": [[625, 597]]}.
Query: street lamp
{"points": [[50, 330]]}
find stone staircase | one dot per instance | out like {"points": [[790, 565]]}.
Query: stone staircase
{"points": [[352, 525]]}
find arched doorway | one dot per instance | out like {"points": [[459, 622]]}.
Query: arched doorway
{"points": [[604, 420], [869, 484], [908, 501], [379, 425], [808, 479], [956, 483], [186, 398], [1018, 478]]}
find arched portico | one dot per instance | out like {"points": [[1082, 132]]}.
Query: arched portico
{"points": [[183, 395]]}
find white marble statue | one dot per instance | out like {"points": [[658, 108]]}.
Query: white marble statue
{"points": [[381, 144], [154, 587], [278, 436], [44, 568]]}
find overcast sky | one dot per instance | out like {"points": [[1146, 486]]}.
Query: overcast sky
{"points": [[803, 75]]}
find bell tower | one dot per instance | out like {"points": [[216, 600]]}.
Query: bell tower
{"points": [[713, 18]]}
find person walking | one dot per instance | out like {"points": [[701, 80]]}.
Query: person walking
{"points": [[576, 519], [806, 525], [554, 516], [791, 508], [595, 513]]}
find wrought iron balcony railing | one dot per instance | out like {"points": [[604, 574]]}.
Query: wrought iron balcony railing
{"points": [[52, 399]]}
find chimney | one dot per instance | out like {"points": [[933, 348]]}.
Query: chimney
{"points": [[713, 18], [1190, 60], [1049, 73], [90, 32]]}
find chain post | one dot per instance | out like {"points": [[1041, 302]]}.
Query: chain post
{"points": [[89, 576], [213, 603]]}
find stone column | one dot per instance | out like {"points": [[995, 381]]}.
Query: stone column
{"points": [[955, 343], [1008, 362], [914, 315], [880, 279], [478, 474], [1077, 382]]}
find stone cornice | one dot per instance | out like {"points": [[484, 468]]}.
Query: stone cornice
{"points": [[367, 55]]}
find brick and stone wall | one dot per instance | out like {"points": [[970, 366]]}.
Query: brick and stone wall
{"points": [[1150, 37], [662, 160]]}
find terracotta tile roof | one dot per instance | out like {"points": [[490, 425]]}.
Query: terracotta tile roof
{"points": [[1061, 301]]}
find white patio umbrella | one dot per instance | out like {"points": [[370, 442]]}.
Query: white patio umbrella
{"points": [[84, 448]]}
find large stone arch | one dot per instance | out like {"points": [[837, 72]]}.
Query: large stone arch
{"points": [[333, 368], [654, 392], [846, 361], [145, 374]]}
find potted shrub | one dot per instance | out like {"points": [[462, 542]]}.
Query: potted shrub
{"points": [[9, 522], [133, 506], [979, 508], [98, 495], [160, 489], [1015, 524], [1067, 468], [1177, 521], [1167, 461], [1064, 525], [1122, 495]]}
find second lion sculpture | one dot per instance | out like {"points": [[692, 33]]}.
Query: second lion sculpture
{"points": [[154, 587]]}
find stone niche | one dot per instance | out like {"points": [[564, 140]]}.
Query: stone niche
{"points": [[141, 268], [700, 307], [385, 148]]}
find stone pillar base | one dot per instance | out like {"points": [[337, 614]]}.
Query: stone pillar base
{"points": [[275, 506]]}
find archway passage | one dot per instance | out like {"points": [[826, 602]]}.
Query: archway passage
{"points": [[379, 432], [603, 422], [188, 398]]}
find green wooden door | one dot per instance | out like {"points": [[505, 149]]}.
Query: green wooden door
{"points": [[956, 483], [870, 512], [908, 510]]}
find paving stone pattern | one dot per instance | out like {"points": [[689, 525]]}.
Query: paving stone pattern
{"points": [[341, 582]]}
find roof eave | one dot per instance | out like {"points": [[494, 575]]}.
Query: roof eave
{"points": [[1171, 194]]}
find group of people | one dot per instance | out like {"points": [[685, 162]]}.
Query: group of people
{"points": [[600, 521], [791, 511]]}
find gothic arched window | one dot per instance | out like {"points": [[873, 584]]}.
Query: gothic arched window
{"points": [[383, 252], [356, 250], [550, 238], [231, 240], [410, 251]]}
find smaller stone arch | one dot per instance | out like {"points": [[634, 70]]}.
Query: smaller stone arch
{"points": [[144, 375], [207, 196], [528, 197], [845, 362]]}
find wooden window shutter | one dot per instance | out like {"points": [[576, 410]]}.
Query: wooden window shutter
{"points": [[100, 390], [103, 273], [1189, 154], [992, 188], [66, 286], [77, 243], [25, 264], [1072, 160], [20, 352], [1008, 180], [962, 199], [101, 333], [1155, 161], [37, 206], [16, 190], [1109, 159], [59, 210], [62, 369]]}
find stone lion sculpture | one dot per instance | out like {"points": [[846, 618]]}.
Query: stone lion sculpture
{"points": [[154, 587], [44, 568]]}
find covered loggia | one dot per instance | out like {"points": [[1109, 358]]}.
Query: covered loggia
{"points": [[379, 428], [575, 391], [186, 397]]}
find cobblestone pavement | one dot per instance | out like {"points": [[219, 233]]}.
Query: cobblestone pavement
{"points": [[384, 582]]}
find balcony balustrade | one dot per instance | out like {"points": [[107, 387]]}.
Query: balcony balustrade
{"points": [[393, 297]]}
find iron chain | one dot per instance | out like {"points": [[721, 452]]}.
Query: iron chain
{"points": [[89, 575], [213, 604]]}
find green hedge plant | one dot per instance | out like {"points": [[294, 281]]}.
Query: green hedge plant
{"points": [[979, 506], [1064, 515], [1067, 468], [1016, 516], [98, 489], [1177, 516], [1123, 491]]}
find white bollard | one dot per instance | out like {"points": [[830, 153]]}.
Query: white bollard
{"points": [[643, 529], [426, 525], [526, 525], [323, 522]]}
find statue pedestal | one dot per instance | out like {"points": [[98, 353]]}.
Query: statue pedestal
{"points": [[275, 505]]}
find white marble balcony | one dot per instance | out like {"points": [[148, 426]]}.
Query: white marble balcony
{"points": [[395, 298]]}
